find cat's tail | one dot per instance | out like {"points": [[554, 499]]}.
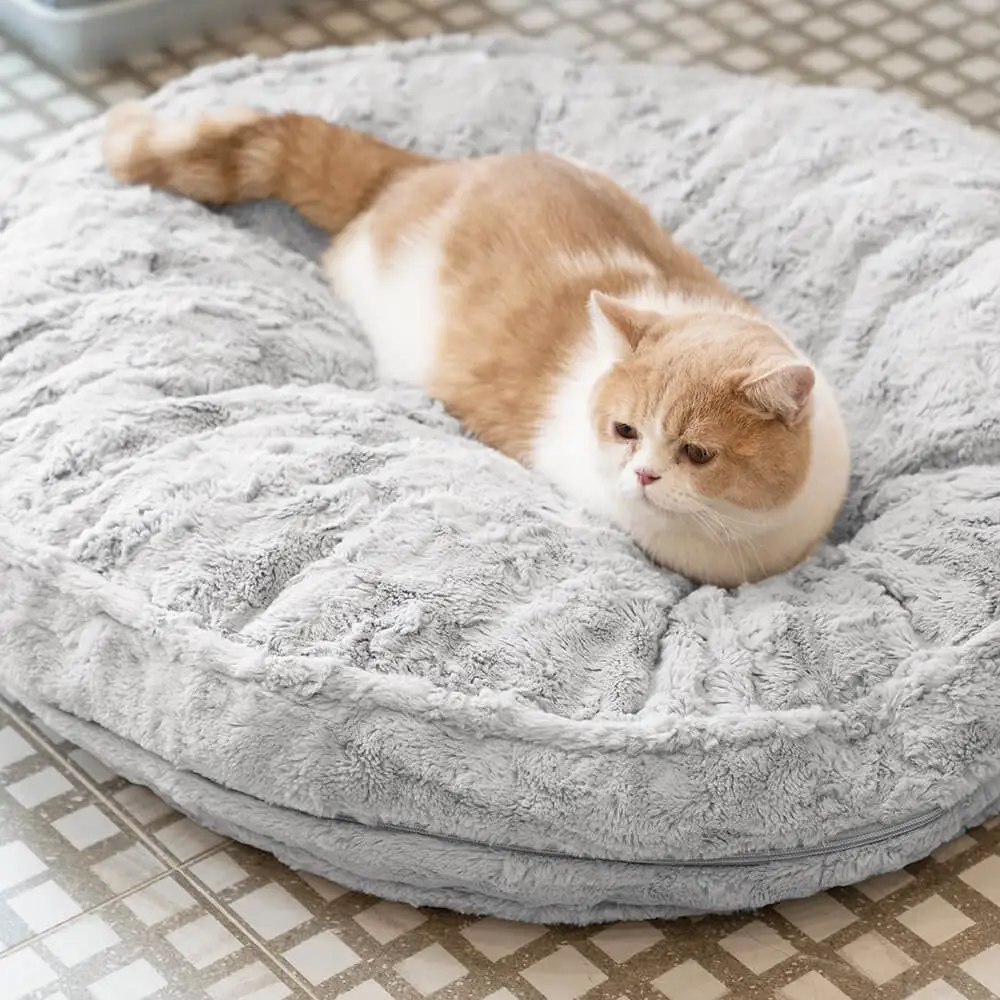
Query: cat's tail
{"points": [[328, 172]]}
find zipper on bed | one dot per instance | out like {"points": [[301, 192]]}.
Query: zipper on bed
{"points": [[871, 838]]}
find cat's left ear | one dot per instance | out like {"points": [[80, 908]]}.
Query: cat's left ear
{"points": [[783, 390], [616, 323]]}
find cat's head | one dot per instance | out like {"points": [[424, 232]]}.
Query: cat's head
{"points": [[703, 409]]}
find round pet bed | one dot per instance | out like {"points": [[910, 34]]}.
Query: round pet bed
{"points": [[310, 612]]}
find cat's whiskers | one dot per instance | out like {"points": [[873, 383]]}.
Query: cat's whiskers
{"points": [[750, 522], [747, 538], [734, 544], [716, 532], [707, 526], [709, 529], [721, 523], [756, 554]]}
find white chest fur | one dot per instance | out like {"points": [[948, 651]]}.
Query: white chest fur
{"points": [[565, 449]]}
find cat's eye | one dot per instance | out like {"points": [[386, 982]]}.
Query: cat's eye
{"points": [[698, 455], [626, 431]]}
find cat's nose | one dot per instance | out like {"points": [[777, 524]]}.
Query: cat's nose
{"points": [[645, 477]]}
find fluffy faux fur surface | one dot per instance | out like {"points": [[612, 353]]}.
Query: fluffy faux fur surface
{"points": [[241, 570]]}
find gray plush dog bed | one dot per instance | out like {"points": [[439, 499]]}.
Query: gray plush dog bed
{"points": [[307, 610]]}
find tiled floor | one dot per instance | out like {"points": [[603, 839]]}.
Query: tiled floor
{"points": [[942, 53], [106, 894]]}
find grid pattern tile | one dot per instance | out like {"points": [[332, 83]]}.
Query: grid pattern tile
{"points": [[107, 894], [943, 54]]}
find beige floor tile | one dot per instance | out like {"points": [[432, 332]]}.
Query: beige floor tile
{"points": [[564, 975], [985, 968], [935, 920], [622, 942], [812, 986], [984, 877], [818, 917], [690, 981], [758, 947], [496, 939], [876, 958]]}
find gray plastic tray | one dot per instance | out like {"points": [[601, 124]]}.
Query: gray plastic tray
{"points": [[91, 33]]}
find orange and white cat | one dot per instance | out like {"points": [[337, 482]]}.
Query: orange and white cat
{"points": [[550, 313]]}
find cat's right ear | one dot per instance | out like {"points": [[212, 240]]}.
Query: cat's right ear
{"points": [[616, 323]]}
